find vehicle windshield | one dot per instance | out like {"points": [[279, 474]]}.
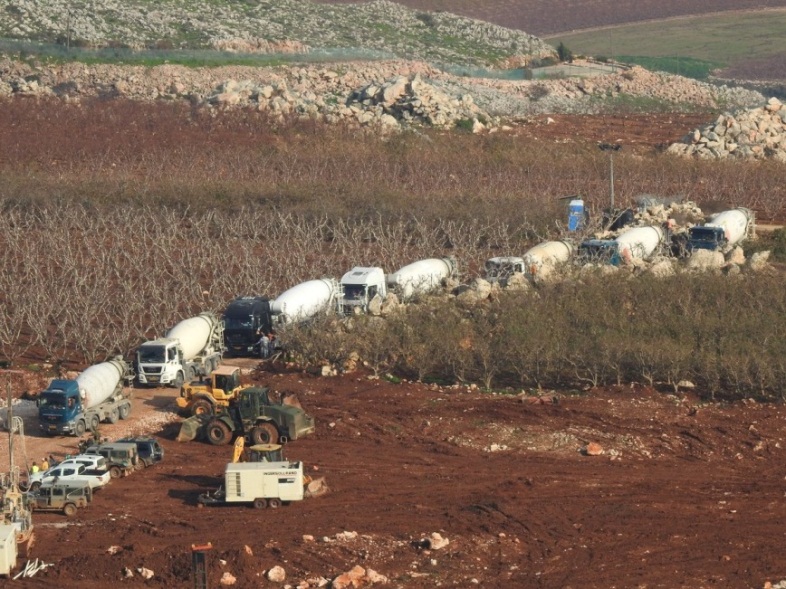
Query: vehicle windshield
{"points": [[238, 323], [52, 400], [705, 233], [354, 291], [152, 354]]}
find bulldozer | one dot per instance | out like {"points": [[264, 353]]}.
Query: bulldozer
{"points": [[208, 397], [253, 414]]}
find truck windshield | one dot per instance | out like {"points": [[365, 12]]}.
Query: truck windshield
{"points": [[238, 323], [706, 233], [151, 354], [354, 291], [52, 400]]}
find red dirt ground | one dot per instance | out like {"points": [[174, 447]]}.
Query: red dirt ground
{"points": [[684, 495]]}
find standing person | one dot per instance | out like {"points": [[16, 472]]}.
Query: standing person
{"points": [[34, 468], [52, 460], [44, 464], [264, 346]]}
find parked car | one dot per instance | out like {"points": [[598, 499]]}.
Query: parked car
{"points": [[91, 461], [67, 496], [69, 473], [121, 458], [149, 450]]}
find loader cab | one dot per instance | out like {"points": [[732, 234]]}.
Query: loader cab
{"points": [[244, 319], [225, 379]]}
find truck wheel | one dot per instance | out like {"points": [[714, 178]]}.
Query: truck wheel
{"points": [[202, 407], [260, 503], [274, 503], [79, 428], [178, 382], [124, 410], [218, 433], [115, 472], [265, 433], [69, 509], [113, 416], [94, 421]]}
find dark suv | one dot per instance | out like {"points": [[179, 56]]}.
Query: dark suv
{"points": [[149, 450]]}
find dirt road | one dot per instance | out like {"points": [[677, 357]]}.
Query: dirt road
{"points": [[684, 495]]}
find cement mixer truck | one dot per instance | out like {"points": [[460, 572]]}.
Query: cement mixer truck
{"points": [[723, 231], [194, 347], [72, 407], [536, 261], [421, 277], [638, 243], [305, 300]]}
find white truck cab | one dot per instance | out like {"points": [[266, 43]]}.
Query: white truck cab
{"points": [[360, 286]]}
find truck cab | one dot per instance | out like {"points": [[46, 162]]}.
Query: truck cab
{"points": [[65, 496], [245, 318], [360, 286], [59, 407], [500, 269], [600, 251], [160, 362], [706, 238]]}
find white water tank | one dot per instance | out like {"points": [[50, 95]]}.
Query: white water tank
{"points": [[547, 254], [304, 300], [97, 383], [193, 334], [421, 277], [734, 224], [638, 243]]}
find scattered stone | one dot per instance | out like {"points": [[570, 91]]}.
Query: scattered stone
{"points": [[228, 579], [276, 574], [593, 449], [146, 574]]}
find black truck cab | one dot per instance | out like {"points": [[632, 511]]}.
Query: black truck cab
{"points": [[245, 320]]}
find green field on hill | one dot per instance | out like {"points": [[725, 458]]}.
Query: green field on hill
{"points": [[686, 46]]}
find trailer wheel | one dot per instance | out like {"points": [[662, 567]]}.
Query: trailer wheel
{"points": [[260, 503], [218, 433], [79, 428], [113, 416], [124, 410], [94, 421], [202, 407], [69, 509], [264, 433], [274, 503]]}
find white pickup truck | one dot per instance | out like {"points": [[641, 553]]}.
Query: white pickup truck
{"points": [[70, 472]]}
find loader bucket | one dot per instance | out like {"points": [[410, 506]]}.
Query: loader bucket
{"points": [[191, 428], [316, 487]]}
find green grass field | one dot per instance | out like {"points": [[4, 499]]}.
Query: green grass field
{"points": [[689, 46]]}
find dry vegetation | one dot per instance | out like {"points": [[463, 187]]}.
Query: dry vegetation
{"points": [[541, 17], [121, 218]]}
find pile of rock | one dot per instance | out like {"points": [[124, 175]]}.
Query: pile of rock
{"points": [[758, 133], [413, 100]]}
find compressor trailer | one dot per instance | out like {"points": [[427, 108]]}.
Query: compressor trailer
{"points": [[260, 484]]}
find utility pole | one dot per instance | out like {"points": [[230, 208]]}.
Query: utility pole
{"points": [[611, 148]]}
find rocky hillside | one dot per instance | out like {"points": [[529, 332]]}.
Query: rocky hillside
{"points": [[368, 30], [387, 94]]}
